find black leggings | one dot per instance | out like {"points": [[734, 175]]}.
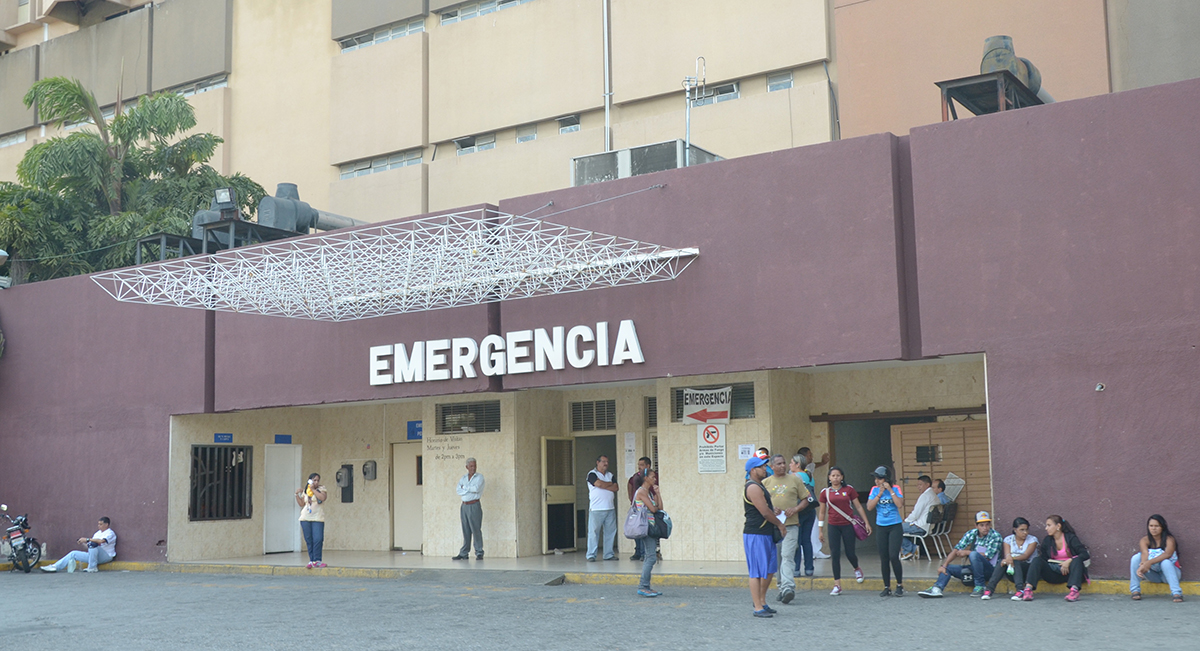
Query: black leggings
{"points": [[842, 534], [888, 538], [1020, 569], [1043, 570]]}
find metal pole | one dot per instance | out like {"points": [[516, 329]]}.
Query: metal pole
{"points": [[608, 139]]}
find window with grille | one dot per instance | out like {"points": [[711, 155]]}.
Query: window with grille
{"points": [[472, 144], [220, 482], [466, 417], [654, 453], [568, 124], [560, 456], [591, 416], [470, 10], [929, 453], [743, 400], [651, 412]]}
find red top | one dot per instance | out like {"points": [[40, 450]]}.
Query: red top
{"points": [[841, 499]]}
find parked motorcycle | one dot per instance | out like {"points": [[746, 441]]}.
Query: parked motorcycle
{"points": [[24, 551]]}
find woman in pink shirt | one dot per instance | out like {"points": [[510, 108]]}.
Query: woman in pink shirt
{"points": [[1061, 558]]}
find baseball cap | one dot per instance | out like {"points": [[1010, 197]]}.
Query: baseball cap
{"points": [[982, 516], [880, 472], [754, 462]]}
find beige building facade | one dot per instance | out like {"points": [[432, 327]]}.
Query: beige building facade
{"points": [[642, 421]]}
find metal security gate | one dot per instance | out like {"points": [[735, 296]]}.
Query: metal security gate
{"points": [[220, 482]]}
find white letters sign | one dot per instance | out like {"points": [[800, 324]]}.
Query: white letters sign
{"points": [[523, 351], [710, 448]]}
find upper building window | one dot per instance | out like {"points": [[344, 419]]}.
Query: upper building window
{"points": [[527, 133], [722, 93], [382, 34], [380, 164], [779, 81], [12, 139], [472, 144], [107, 114], [568, 123], [202, 86], [473, 9]]}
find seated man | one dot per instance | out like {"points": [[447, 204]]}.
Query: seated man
{"points": [[982, 546], [915, 523], [101, 548], [942, 497]]}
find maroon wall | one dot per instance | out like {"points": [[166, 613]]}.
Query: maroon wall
{"points": [[797, 264], [1063, 241], [87, 386]]}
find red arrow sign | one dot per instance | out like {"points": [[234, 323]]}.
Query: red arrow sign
{"points": [[704, 415]]}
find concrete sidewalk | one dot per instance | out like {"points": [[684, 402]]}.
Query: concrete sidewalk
{"points": [[573, 567]]}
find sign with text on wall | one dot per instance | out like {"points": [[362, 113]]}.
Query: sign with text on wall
{"points": [[414, 430], [710, 448], [703, 406]]}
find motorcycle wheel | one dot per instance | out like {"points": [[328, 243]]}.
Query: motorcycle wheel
{"points": [[34, 551], [21, 560]]}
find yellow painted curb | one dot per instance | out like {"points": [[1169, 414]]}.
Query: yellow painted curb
{"points": [[272, 570]]}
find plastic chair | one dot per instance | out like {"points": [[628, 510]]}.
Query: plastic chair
{"points": [[949, 512], [932, 520]]}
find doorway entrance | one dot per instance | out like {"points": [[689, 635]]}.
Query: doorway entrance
{"points": [[937, 449], [282, 474], [407, 496], [587, 450], [558, 494]]}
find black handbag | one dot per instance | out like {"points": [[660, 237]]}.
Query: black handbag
{"points": [[660, 525]]}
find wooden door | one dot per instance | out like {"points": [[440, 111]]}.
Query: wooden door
{"points": [[960, 447], [408, 497]]}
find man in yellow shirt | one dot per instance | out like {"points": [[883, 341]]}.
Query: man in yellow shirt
{"points": [[789, 496]]}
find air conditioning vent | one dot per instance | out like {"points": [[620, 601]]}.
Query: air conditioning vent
{"points": [[635, 161]]}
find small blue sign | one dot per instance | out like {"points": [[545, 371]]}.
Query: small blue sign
{"points": [[222, 438], [283, 439], [414, 430]]}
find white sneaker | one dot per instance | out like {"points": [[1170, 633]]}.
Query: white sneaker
{"points": [[71, 565], [91, 569], [837, 590], [49, 568], [931, 593]]}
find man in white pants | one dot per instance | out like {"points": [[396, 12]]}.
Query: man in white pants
{"points": [[101, 548], [602, 514]]}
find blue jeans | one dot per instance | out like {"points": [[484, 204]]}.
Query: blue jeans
{"points": [[908, 545], [1164, 572], [649, 556], [601, 523], [314, 539], [807, 518], [981, 567], [94, 557]]}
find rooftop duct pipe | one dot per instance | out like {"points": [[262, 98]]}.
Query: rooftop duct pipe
{"points": [[998, 54], [286, 211]]}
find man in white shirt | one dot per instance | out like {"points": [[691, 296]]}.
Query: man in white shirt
{"points": [[101, 548], [602, 512], [470, 489], [915, 522]]}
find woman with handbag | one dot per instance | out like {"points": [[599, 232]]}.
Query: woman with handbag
{"points": [[763, 529], [838, 503], [649, 497]]}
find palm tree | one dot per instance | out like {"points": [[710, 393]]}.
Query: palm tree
{"points": [[84, 199]]}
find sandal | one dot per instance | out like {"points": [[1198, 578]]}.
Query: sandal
{"points": [[1177, 598], [1136, 596]]}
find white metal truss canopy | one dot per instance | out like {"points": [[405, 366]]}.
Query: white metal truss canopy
{"points": [[439, 262]]}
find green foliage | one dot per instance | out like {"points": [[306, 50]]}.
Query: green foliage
{"points": [[82, 199]]}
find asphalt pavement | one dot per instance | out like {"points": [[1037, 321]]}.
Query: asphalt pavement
{"points": [[154, 610]]}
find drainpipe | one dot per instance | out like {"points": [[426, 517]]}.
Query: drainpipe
{"points": [[608, 139]]}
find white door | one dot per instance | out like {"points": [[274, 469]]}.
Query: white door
{"points": [[407, 496], [281, 528]]}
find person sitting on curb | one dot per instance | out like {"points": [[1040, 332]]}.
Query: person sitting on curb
{"points": [[981, 546], [101, 548], [1161, 560], [1061, 558]]}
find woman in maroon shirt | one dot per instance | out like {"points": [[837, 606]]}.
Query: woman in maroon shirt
{"points": [[837, 502]]}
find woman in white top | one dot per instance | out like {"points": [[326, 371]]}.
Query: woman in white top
{"points": [[1019, 549], [311, 499], [1158, 560]]}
